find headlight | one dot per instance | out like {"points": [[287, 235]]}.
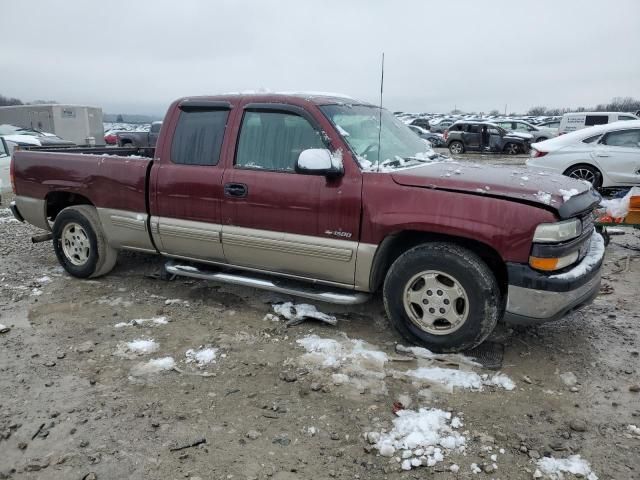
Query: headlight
{"points": [[557, 232]]}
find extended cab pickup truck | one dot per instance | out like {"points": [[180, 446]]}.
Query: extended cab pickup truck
{"points": [[304, 194], [140, 139]]}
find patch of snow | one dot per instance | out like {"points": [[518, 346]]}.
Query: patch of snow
{"points": [[114, 302], [555, 468], [448, 377], [567, 194], [451, 378], [501, 380], [203, 356], [595, 254], [36, 292], [154, 366], [142, 321], [544, 197], [175, 301], [142, 346], [298, 312], [619, 207], [633, 430], [427, 432], [524, 178], [342, 131], [347, 361], [44, 279]]}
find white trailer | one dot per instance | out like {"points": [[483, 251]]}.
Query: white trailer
{"points": [[76, 123]]}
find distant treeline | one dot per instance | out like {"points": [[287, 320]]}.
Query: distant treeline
{"points": [[9, 101], [126, 118], [617, 104]]}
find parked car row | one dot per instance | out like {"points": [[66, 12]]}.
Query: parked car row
{"points": [[435, 139], [31, 137]]}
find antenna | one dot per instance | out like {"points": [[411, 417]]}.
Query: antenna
{"points": [[380, 111]]}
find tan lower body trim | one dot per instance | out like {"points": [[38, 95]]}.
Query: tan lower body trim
{"points": [[326, 259], [125, 229], [187, 238], [364, 263], [33, 210]]}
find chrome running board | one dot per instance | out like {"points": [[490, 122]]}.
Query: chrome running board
{"points": [[284, 286]]}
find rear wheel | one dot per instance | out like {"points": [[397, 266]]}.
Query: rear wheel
{"points": [[585, 172], [80, 243], [512, 149], [443, 297], [456, 148]]}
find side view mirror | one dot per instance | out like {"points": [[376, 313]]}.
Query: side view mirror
{"points": [[319, 161]]}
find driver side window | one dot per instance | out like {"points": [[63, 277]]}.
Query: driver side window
{"points": [[273, 140], [3, 149]]}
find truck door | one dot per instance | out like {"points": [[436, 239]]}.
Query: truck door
{"points": [[187, 183], [278, 220]]}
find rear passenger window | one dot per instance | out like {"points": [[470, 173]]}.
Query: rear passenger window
{"points": [[274, 140], [198, 137], [591, 120], [623, 138], [626, 117]]}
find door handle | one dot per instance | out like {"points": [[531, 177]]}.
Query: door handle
{"points": [[237, 190], [602, 155]]}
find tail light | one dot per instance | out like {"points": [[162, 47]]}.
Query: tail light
{"points": [[537, 153], [445, 135]]}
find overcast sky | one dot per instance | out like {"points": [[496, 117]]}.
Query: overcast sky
{"points": [[137, 56]]}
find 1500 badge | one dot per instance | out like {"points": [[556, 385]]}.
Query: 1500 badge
{"points": [[338, 233]]}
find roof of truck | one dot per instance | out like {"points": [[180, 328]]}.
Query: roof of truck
{"points": [[318, 98]]}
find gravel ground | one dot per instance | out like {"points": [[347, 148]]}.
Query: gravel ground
{"points": [[76, 404]]}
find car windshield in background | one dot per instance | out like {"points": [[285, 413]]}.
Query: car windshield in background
{"points": [[397, 147]]}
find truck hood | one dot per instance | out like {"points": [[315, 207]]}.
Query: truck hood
{"points": [[551, 191]]}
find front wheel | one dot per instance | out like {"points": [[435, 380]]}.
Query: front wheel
{"points": [[80, 244], [443, 297]]}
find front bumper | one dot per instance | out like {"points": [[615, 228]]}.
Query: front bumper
{"points": [[537, 298]]}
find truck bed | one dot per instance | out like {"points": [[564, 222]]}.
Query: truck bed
{"points": [[108, 178]]}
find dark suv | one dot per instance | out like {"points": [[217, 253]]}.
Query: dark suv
{"points": [[485, 137]]}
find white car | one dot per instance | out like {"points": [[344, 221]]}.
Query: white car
{"points": [[5, 162], [538, 133], [604, 155]]}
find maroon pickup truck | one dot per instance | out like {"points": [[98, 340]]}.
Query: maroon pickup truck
{"points": [[304, 194]]}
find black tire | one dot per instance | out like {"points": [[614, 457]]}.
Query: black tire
{"points": [[456, 145], [512, 148], [98, 258], [592, 175], [484, 300]]}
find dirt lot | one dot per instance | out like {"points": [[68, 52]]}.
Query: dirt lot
{"points": [[75, 403]]}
